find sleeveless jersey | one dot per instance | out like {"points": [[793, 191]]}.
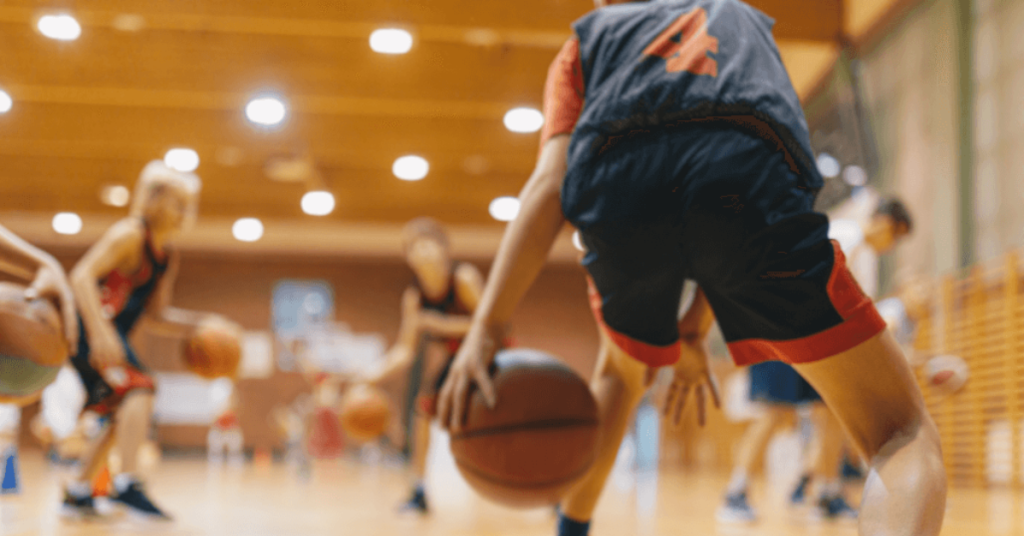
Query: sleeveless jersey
{"points": [[648, 67], [124, 297], [448, 305]]}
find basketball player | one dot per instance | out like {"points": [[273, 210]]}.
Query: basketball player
{"points": [[129, 272], [21, 259], [783, 390], [675, 143], [436, 306]]}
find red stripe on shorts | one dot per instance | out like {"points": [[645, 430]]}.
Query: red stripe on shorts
{"points": [[649, 354], [861, 322]]}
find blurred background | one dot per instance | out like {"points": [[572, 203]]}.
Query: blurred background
{"points": [[320, 128]]}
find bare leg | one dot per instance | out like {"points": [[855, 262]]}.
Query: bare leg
{"points": [[755, 439], [872, 392], [97, 453], [826, 456], [420, 446], [619, 384], [133, 418]]}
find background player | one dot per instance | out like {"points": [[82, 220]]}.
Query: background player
{"points": [[691, 158], [129, 272], [436, 307]]}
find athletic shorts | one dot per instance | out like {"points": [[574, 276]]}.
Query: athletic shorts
{"points": [[104, 392], [723, 207], [778, 383]]}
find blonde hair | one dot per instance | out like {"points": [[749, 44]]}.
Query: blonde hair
{"points": [[154, 178]]}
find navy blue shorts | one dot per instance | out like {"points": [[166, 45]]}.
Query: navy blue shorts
{"points": [[725, 208], [778, 383], [100, 394]]}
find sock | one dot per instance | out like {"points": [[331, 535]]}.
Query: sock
{"points": [[738, 483], [122, 481], [80, 490], [571, 527]]}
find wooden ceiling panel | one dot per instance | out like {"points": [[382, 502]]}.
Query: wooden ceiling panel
{"points": [[92, 112]]}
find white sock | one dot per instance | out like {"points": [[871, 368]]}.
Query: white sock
{"points": [[122, 481], [738, 483], [79, 489]]}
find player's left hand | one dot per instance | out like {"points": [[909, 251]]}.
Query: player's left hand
{"points": [[691, 373], [50, 282], [470, 366]]}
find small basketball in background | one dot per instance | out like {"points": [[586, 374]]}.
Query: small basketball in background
{"points": [[214, 350], [364, 413], [946, 374], [32, 345]]}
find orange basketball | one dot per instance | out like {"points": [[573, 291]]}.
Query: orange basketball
{"points": [[364, 413], [214, 350], [32, 345], [538, 440]]}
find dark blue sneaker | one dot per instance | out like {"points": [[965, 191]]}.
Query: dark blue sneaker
{"points": [[736, 510], [851, 471], [417, 503], [800, 493], [833, 509], [78, 508], [135, 500]]}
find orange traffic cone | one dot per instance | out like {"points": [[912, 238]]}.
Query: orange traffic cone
{"points": [[102, 483]]}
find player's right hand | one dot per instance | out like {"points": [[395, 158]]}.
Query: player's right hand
{"points": [[470, 366], [106, 351]]}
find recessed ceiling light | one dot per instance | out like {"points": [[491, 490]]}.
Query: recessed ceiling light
{"points": [[182, 159], [115, 196], [391, 41], [267, 111], [247, 229], [318, 203], [504, 208], [5, 102], [524, 120], [410, 168], [59, 27], [67, 223]]}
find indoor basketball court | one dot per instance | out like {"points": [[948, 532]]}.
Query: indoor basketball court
{"points": [[373, 268]]}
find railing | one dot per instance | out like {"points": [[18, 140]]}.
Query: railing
{"points": [[979, 316]]}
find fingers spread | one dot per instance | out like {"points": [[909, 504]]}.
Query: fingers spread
{"points": [[712, 381], [459, 403]]}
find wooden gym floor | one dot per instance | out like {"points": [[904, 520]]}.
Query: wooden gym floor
{"points": [[346, 498]]}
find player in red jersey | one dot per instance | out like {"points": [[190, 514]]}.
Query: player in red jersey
{"points": [[128, 273]]}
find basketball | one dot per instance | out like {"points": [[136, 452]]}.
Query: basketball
{"points": [[364, 413], [539, 439], [214, 350], [946, 374], [32, 345]]}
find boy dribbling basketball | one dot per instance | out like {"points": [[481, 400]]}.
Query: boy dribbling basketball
{"points": [[676, 144], [129, 273]]}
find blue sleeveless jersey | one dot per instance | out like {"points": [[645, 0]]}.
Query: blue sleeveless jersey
{"points": [[651, 66]]}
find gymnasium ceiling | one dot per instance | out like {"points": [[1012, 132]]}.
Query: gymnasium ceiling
{"points": [[91, 112]]}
